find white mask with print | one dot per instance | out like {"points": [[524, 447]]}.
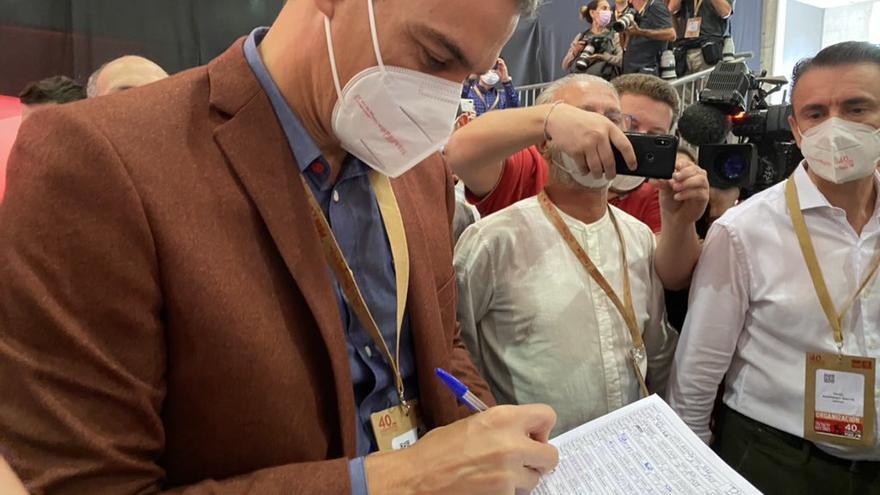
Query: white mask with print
{"points": [[841, 151], [391, 118]]}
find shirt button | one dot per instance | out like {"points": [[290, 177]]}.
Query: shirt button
{"points": [[368, 351], [335, 196]]}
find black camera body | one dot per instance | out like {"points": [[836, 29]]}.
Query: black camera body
{"points": [[627, 18], [766, 153], [595, 44]]}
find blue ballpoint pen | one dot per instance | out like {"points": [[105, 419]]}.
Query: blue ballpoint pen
{"points": [[461, 391]]}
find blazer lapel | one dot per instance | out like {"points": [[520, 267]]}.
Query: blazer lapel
{"points": [[257, 150]]}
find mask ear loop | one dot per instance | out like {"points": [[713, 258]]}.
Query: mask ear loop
{"points": [[330, 51], [374, 36], [332, 57]]}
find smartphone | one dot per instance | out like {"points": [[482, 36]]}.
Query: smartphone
{"points": [[655, 156]]}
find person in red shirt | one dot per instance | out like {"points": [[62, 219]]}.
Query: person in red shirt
{"points": [[499, 158], [636, 196]]}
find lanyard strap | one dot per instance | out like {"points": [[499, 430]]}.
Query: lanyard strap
{"points": [[625, 308], [483, 98], [697, 5], [390, 212], [835, 319]]}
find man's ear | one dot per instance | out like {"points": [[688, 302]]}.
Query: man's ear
{"points": [[795, 130], [544, 149]]}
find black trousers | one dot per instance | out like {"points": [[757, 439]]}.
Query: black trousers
{"points": [[779, 463]]}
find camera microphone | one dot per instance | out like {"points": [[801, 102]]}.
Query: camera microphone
{"points": [[703, 124]]}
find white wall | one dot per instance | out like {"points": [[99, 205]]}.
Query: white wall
{"points": [[853, 22]]}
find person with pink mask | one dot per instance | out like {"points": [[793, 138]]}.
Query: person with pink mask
{"points": [[599, 14]]}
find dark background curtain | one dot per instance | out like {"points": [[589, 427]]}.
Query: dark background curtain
{"points": [[42, 38]]}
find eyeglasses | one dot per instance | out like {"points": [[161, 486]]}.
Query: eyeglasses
{"points": [[622, 120]]}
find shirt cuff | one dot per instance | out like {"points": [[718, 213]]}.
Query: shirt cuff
{"points": [[358, 476]]}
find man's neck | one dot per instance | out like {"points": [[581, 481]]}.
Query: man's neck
{"points": [[484, 87], [303, 76], [586, 205], [856, 198], [639, 4]]}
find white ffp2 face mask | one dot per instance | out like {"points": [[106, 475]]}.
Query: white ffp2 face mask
{"points": [[490, 78], [391, 118], [570, 167], [841, 151]]}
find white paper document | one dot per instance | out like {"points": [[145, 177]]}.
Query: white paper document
{"points": [[643, 448]]}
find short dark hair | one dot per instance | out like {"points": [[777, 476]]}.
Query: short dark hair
{"points": [[651, 86], [56, 89], [848, 52]]}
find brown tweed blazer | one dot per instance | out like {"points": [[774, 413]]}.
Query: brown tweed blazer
{"points": [[167, 321]]}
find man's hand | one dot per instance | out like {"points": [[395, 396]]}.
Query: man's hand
{"points": [[588, 137], [684, 197], [502, 71], [634, 30], [683, 200], [502, 450]]}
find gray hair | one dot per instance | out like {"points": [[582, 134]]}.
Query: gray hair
{"points": [[92, 85], [549, 93], [528, 7]]}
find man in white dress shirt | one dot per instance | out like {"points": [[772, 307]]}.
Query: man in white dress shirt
{"points": [[781, 331], [540, 327]]}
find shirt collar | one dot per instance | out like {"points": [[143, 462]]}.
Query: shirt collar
{"points": [[809, 195], [303, 146]]}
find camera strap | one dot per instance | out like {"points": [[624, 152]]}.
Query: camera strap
{"points": [[626, 309], [483, 98], [835, 318]]}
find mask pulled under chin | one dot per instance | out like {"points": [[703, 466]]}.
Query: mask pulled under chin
{"points": [[841, 151], [391, 118], [570, 167]]}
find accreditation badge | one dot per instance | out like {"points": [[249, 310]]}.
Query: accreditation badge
{"points": [[397, 427], [693, 27], [839, 399]]}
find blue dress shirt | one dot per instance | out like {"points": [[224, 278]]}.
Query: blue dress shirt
{"points": [[509, 98], [353, 213]]}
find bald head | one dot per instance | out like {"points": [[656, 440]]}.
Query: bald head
{"points": [[124, 73]]}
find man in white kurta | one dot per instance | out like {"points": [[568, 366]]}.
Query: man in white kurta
{"points": [[538, 326]]}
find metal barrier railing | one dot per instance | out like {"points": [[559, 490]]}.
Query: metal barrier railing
{"points": [[688, 87]]}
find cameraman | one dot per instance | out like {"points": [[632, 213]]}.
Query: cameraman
{"points": [[648, 37], [602, 63], [706, 23]]}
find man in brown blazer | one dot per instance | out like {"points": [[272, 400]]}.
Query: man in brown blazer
{"points": [[168, 316]]}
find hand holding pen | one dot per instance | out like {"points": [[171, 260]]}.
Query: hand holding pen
{"points": [[501, 450]]}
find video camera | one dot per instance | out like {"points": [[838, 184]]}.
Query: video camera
{"points": [[735, 100], [595, 44]]}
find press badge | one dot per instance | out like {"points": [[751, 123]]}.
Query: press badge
{"points": [[839, 399], [693, 27], [397, 427]]}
